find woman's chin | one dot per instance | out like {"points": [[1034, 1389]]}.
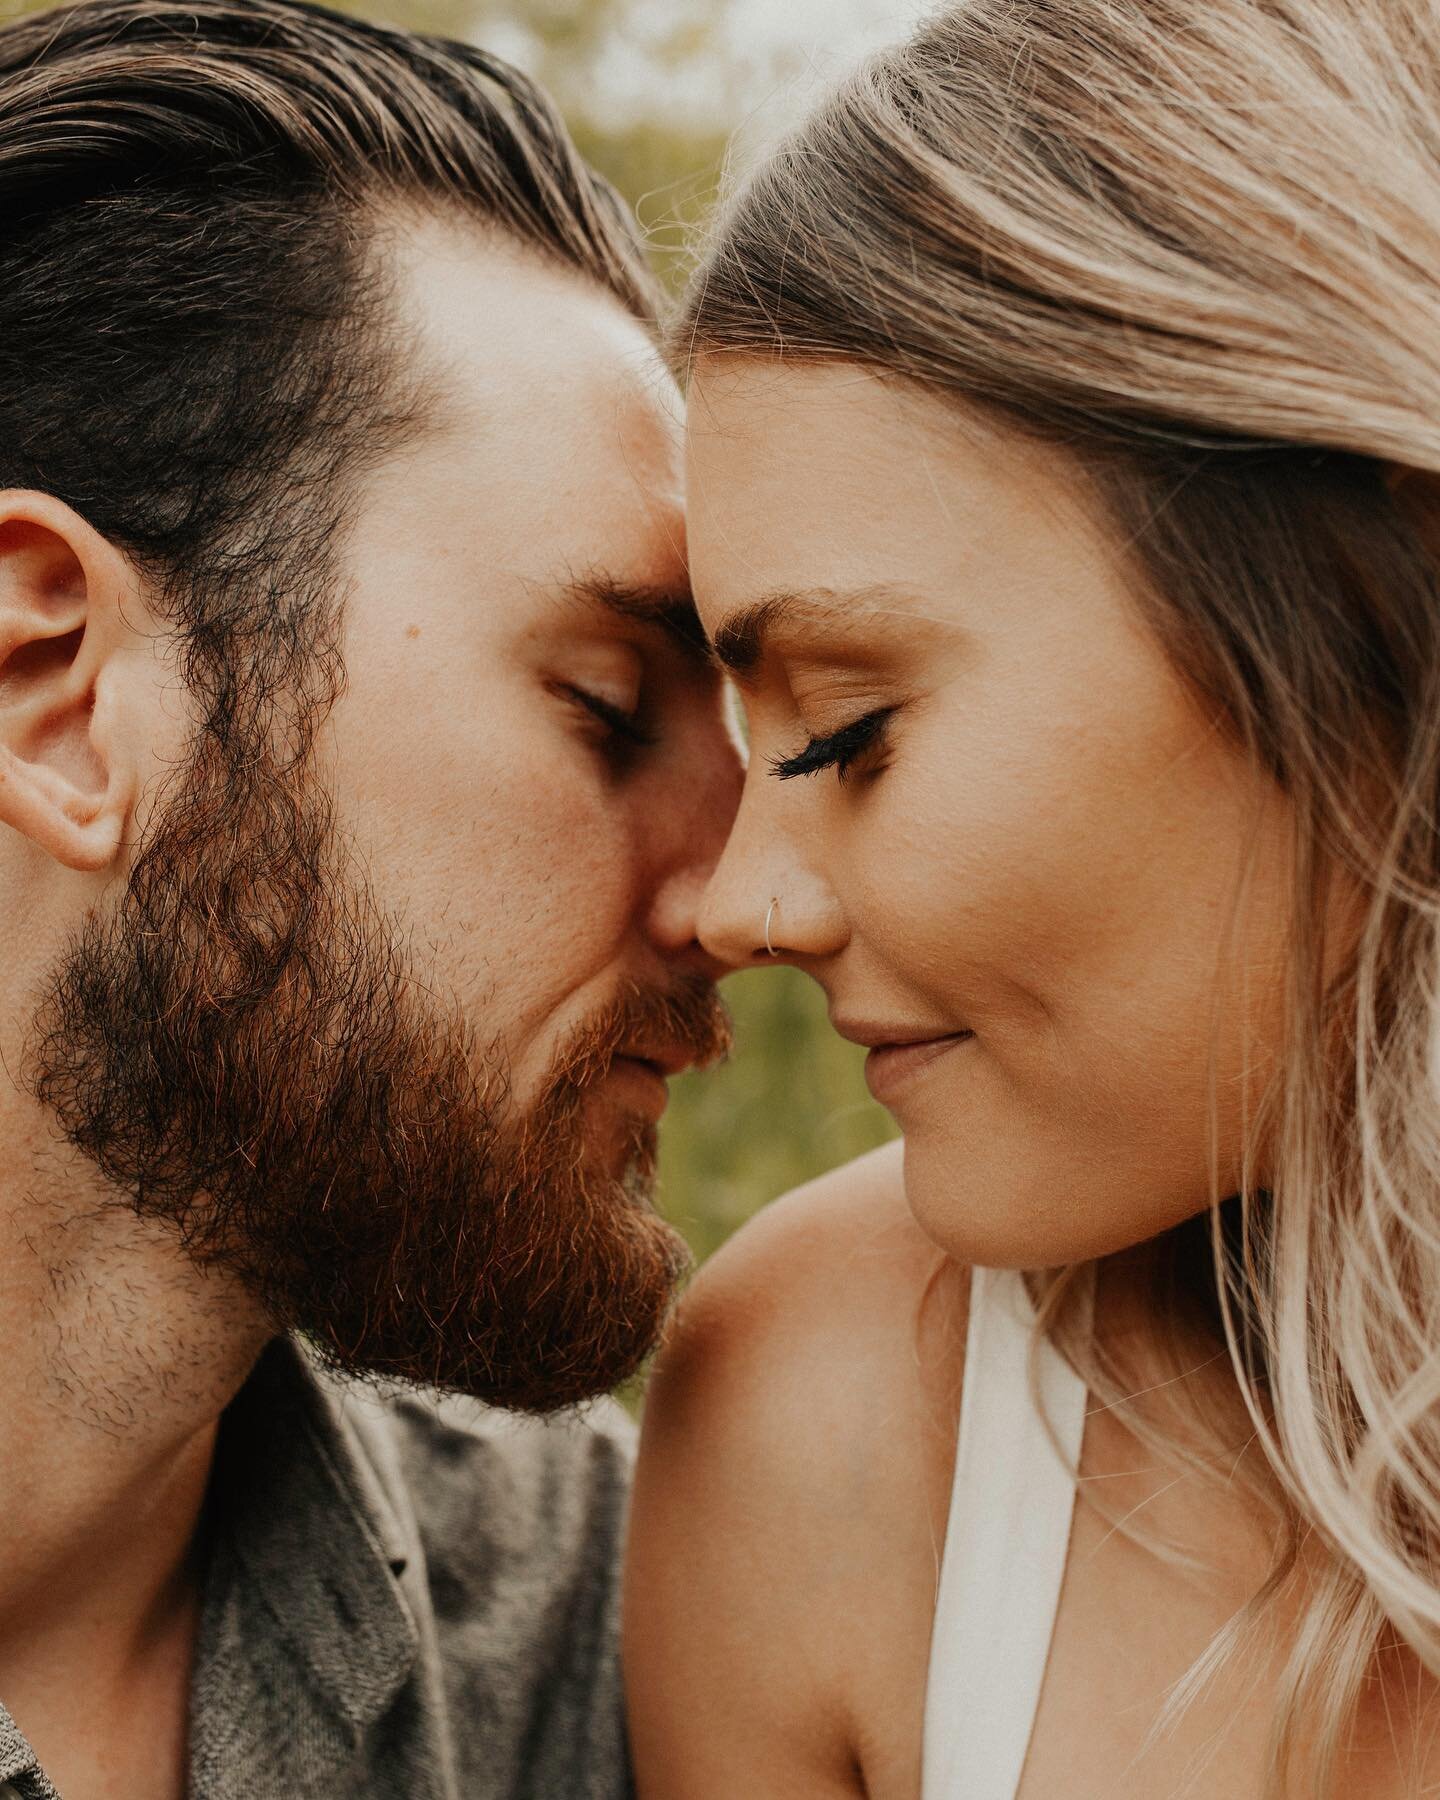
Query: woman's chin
{"points": [[982, 1206]]}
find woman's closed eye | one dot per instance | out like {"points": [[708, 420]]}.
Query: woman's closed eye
{"points": [[843, 750]]}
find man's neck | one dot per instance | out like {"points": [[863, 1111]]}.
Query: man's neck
{"points": [[119, 1355]]}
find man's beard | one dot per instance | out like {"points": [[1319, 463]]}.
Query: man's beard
{"points": [[244, 1049]]}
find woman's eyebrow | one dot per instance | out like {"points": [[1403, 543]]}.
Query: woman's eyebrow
{"points": [[740, 640]]}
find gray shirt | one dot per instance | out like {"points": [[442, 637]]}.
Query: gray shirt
{"points": [[405, 1599]]}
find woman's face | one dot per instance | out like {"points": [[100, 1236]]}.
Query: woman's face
{"points": [[1002, 833]]}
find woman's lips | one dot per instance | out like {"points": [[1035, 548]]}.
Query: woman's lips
{"points": [[889, 1068]]}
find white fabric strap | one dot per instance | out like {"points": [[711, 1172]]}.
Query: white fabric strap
{"points": [[1005, 1549]]}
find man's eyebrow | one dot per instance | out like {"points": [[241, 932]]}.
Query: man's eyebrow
{"points": [[740, 640], [670, 608]]}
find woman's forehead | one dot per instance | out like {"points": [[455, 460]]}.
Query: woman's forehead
{"points": [[805, 480]]}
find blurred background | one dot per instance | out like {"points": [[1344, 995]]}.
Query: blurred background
{"points": [[654, 91]]}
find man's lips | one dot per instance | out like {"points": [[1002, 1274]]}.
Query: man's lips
{"points": [[663, 1060], [644, 1082], [643, 1071], [897, 1053]]}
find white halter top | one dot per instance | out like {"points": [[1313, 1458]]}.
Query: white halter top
{"points": [[1005, 1549]]}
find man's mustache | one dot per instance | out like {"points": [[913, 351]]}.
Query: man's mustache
{"points": [[680, 1026]]}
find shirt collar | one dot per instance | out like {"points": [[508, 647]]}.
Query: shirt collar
{"points": [[305, 1634], [306, 1553], [18, 1764]]}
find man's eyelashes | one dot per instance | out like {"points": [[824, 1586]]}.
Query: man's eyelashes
{"points": [[840, 750], [623, 728]]}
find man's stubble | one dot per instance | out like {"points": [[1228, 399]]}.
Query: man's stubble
{"points": [[245, 1049]]}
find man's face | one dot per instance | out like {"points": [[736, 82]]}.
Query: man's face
{"points": [[540, 855], [416, 1110]]}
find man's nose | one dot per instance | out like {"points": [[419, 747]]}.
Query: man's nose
{"points": [[702, 812]]}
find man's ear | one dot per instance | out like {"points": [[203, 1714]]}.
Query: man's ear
{"points": [[66, 781]]}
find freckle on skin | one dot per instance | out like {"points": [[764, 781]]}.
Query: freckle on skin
{"points": [[412, 631]]}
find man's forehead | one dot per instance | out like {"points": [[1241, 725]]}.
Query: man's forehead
{"points": [[497, 334], [548, 446]]}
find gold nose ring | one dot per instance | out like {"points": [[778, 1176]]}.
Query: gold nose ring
{"points": [[768, 917]]}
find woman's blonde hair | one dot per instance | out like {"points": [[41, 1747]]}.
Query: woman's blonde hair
{"points": [[1199, 245]]}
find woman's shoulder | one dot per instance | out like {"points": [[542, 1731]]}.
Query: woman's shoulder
{"points": [[795, 1470], [835, 1280]]}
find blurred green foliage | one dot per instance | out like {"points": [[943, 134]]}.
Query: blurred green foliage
{"points": [[792, 1101], [669, 175]]}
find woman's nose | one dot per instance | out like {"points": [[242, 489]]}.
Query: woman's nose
{"points": [[763, 903]]}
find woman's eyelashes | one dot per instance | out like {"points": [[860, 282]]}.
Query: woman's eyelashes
{"points": [[845, 750]]}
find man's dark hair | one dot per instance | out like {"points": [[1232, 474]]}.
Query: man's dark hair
{"points": [[193, 350]]}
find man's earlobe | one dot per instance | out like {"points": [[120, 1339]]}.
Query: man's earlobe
{"points": [[66, 781]]}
